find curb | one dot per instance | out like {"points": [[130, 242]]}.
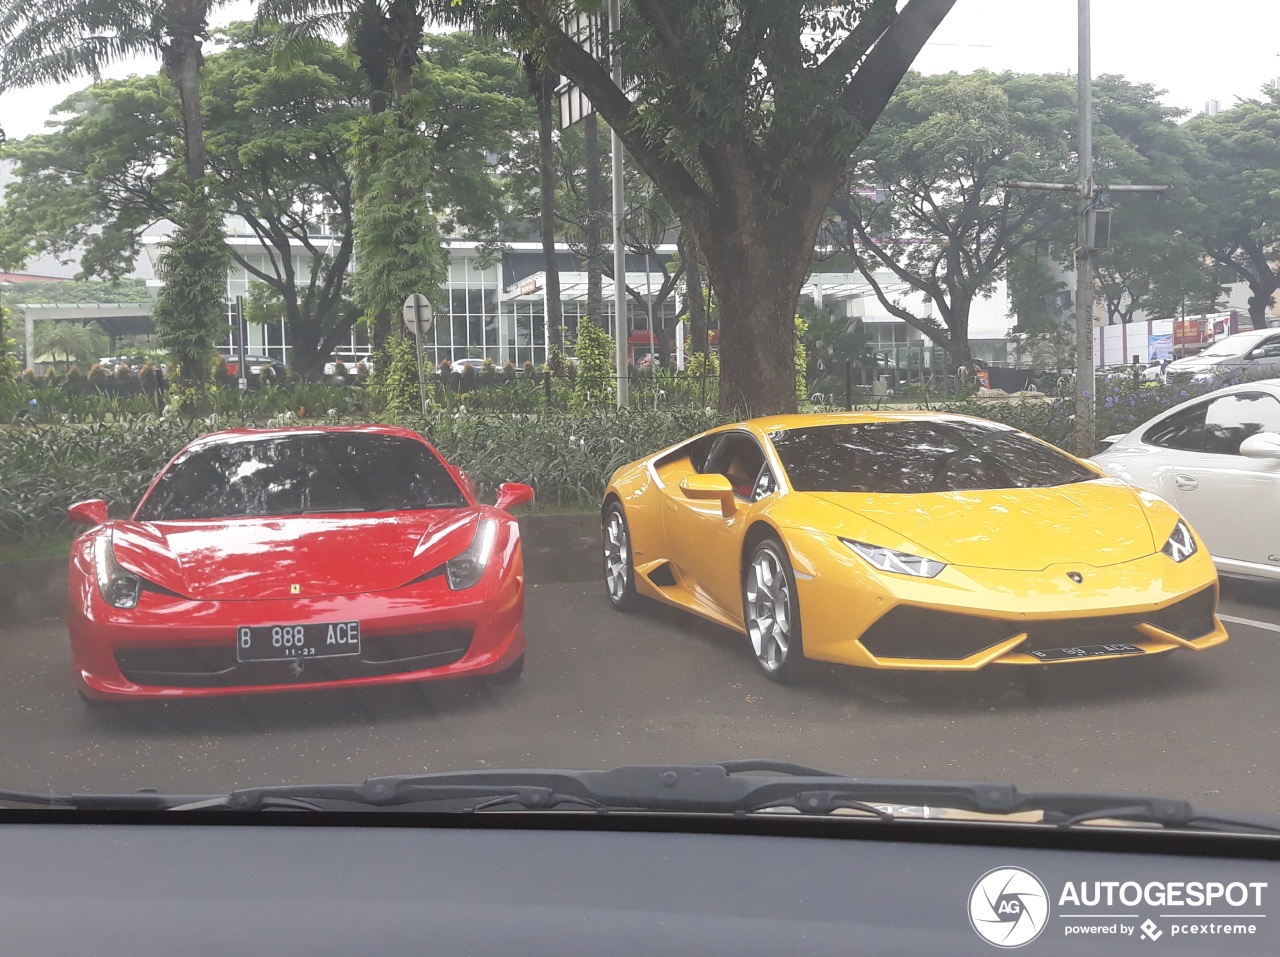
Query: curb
{"points": [[557, 548]]}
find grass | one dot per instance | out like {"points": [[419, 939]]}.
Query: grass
{"points": [[57, 547]]}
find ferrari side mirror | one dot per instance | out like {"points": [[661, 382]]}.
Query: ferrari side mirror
{"points": [[90, 512], [511, 494]]}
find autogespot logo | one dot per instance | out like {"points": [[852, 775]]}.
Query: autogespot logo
{"points": [[1008, 907]]}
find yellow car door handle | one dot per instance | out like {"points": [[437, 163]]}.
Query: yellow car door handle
{"points": [[1186, 482]]}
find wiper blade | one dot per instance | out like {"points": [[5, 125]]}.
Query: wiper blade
{"points": [[146, 799], [732, 787]]}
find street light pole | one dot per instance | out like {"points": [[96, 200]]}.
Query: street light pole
{"points": [[619, 251], [1083, 433]]}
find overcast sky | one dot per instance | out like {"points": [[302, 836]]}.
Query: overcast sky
{"points": [[1196, 51]]}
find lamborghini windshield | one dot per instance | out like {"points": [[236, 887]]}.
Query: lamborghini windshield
{"points": [[301, 473], [920, 456]]}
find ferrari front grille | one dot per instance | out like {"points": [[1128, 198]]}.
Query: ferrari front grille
{"points": [[217, 667], [908, 631]]}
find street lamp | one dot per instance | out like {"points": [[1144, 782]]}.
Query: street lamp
{"points": [[643, 229]]}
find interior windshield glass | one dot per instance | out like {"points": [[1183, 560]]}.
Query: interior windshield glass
{"points": [[304, 473]]}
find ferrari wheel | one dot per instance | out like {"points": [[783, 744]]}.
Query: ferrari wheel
{"points": [[619, 572], [770, 611]]}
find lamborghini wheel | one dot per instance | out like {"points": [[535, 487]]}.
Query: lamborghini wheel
{"points": [[619, 571], [771, 612]]}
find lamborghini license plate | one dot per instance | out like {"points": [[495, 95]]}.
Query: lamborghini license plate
{"points": [[1086, 651], [275, 642]]}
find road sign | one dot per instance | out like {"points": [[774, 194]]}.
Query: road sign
{"points": [[418, 316], [418, 307]]}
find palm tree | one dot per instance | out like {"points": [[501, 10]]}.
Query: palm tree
{"points": [[52, 41], [386, 38], [69, 341]]}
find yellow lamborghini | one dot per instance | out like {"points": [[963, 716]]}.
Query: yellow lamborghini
{"points": [[906, 540]]}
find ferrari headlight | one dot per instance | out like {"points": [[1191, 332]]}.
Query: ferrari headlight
{"points": [[1181, 544], [900, 563], [119, 587], [468, 568]]}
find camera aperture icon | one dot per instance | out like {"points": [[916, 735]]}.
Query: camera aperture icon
{"points": [[1008, 907]]}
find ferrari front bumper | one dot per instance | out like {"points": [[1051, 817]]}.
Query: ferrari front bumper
{"points": [[170, 647]]}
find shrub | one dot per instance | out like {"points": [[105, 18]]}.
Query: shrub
{"points": [[594, 381]]}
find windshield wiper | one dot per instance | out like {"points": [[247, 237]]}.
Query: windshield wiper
{"points": [[732, 787]]}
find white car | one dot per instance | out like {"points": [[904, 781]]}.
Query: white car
{"points": [[1256, 351], [1216, 459], [350, 361]]}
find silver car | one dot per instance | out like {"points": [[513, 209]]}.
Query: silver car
{"points": [[1254, 353]]}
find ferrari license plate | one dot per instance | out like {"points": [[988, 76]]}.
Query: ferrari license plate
{"points": [[1086, 651], [276, 642]]}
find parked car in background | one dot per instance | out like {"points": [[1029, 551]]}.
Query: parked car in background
{"points": [[256, 364], [1256, 351], [1216, 458], [351, 360]]}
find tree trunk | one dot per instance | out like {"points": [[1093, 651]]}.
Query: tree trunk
{"points": [[542, 84], [595, 217], [757, 275], [1261, 293], [182, 57], [696, 305]]}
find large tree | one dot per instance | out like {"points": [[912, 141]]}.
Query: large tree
{"points": [[744, 114], [1235, 160], [44, 41], [276, 155], [923, 200]]}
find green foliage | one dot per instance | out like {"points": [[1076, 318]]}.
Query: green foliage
{"points": [[1234, 158], [396, 386], [399, 247], [69, 341], [75, 290], [191, 310], [8, 347], [596, 374], [801, 360]]}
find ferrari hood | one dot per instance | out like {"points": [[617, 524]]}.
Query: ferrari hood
{"points": [[1094, 523], [265, 558]]}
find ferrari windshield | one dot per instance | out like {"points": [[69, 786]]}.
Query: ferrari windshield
{"points": [[920, 456], [301, 473]]}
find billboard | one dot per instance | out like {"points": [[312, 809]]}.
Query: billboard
{"points": [[1160, 347]]}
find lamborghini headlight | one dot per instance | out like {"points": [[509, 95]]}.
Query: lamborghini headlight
{"points": [[1181, 544], [119, 587], [468, 568], [900, 563]]}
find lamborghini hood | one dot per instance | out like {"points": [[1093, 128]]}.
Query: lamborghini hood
{"points": [[265, 558], [1095, 523]]}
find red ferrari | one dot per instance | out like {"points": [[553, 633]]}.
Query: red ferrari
{"points": [[264, 560]]}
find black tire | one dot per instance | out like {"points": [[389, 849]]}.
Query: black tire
{"points": [[776, 640], [617, 565]]}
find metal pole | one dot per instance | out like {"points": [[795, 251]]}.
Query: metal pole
{"points": [[241, 346], [418, 304], [1084, 426], [619, 252], [648, 299]]}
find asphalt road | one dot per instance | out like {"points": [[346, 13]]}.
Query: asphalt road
{"points": [[603, 689]]}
